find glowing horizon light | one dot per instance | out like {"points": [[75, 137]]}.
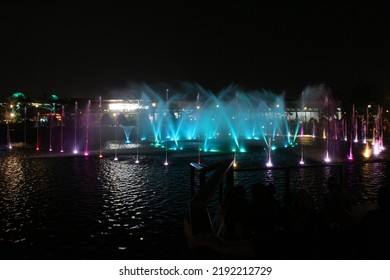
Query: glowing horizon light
{"points": [[166, 163], [301, 162], [100, 156], [62, 151], [75, 151], [269, 164], [137, 161], [85, 153], [115, 158]]}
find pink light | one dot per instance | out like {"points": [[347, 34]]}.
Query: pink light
{"points": [[327, 159]]}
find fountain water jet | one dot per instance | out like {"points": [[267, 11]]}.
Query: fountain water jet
{"points": [[86, 151], [75, 151], [37, 131], [100, 128], [51, 127], [62, 128]]}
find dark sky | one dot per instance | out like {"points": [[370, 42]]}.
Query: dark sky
{"points": [[97, 49]]}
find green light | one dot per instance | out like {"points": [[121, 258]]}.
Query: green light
{"points": [[54, 97], [17, 95]]}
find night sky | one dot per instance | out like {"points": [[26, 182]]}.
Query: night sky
{"points": [[105, 48]]}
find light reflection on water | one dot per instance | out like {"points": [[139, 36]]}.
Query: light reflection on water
{"points": [[85, 207]]}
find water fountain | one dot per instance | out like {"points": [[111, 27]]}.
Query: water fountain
{"points": [[37, 147], [232, 122], [75, 149], [100, 128], [62, 127], [87, 116], [51, 120], [127, 131]]}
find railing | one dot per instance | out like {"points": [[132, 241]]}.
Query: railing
{"points": [[222, 179]]}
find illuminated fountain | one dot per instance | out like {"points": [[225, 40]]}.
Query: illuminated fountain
{"points": [[203, 123], [87, 117], [127, 130], [216, 122], [37, 148], [62, 127], [100, 128], [75, 149], [238, 122]]}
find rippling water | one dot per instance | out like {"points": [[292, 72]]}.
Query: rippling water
{"points": [[84, 207], [76, 207]]}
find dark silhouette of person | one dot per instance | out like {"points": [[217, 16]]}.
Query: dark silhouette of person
{"points": [[238, 215], [264, 216], [375, 228], [337, 238], [300, 235]]}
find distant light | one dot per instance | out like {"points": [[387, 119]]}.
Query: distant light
{"points": [[123, 106]]}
